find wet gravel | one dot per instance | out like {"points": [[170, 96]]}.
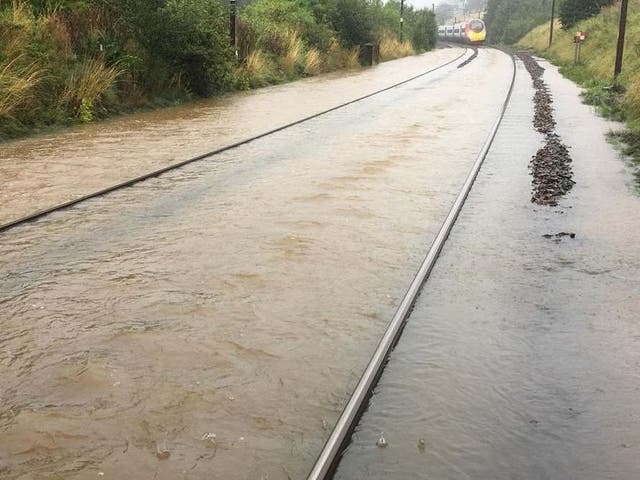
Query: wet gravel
{"points": [[551, 165], [551, 171]]}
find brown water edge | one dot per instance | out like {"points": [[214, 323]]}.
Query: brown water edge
{"points": [[50, 169], [240, 298]]}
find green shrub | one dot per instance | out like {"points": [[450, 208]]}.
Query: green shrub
{"points": [[270, 17], [424, 31], [572, 11], [507, 20], [191, 37], [353, 20]]}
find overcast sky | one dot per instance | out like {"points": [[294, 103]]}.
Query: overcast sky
{"points": [[425, 3]]}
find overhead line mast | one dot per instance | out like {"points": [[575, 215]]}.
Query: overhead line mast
{"points": [[622, 30], [553, 14], [401, 17]]}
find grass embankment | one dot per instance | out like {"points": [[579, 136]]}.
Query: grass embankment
{"points": [[620, 100], [82, 60]]}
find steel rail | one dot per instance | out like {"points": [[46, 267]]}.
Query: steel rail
{"points": [[42, 213], [329, 458]]}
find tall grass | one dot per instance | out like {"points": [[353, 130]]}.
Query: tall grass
{"points": [[312, 62], [256, 70], [338, 57], [391, 47], [633, 97], [256, 64], [87, 84], [293, 52], [20, 12], [278, 53], [18, 85], [46, 74], [22, 71], [350, 58], [598, 51]]}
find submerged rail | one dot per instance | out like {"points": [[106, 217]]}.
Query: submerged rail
{"points": [[42, 213], [329, 458]]}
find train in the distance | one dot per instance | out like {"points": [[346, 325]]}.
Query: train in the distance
{"points": [[472, 31]]}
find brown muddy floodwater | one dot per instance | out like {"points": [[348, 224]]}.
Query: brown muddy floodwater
{"points": [[239, 297], [50, 169]]}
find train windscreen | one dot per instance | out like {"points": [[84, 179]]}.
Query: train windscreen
{"points": [[476, 25]]}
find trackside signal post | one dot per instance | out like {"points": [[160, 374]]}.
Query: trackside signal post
{"points": [[578, 39]]}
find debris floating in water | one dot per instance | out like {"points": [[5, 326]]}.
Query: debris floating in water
{"points": [[210, 439], [162, 452], [560, 235]]}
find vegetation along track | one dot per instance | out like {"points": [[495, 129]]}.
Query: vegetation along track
{"points": [[42, 213], [339, 438]]}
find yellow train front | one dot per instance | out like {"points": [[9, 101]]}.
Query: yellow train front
{"points": [[472, 31]]}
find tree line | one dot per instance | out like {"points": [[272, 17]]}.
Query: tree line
{"points": [[509, 20]]}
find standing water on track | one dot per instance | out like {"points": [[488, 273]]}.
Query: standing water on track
{"points": [[520, 359], [211, 323], [51, 169]]}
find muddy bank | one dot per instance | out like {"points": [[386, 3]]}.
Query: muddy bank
{"points": [[551, 165]]}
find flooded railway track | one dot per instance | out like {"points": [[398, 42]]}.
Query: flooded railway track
{"points": [[156, 173], [329, 458], [195, 325]]}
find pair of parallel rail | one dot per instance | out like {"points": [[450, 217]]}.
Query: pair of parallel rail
{"points": [[339, 438]]}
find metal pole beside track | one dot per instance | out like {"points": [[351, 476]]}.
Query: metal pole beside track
{"points": [[553, 14], [329, 458], [233, 26], [622, 30], [401, 17], [579, 49]]}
